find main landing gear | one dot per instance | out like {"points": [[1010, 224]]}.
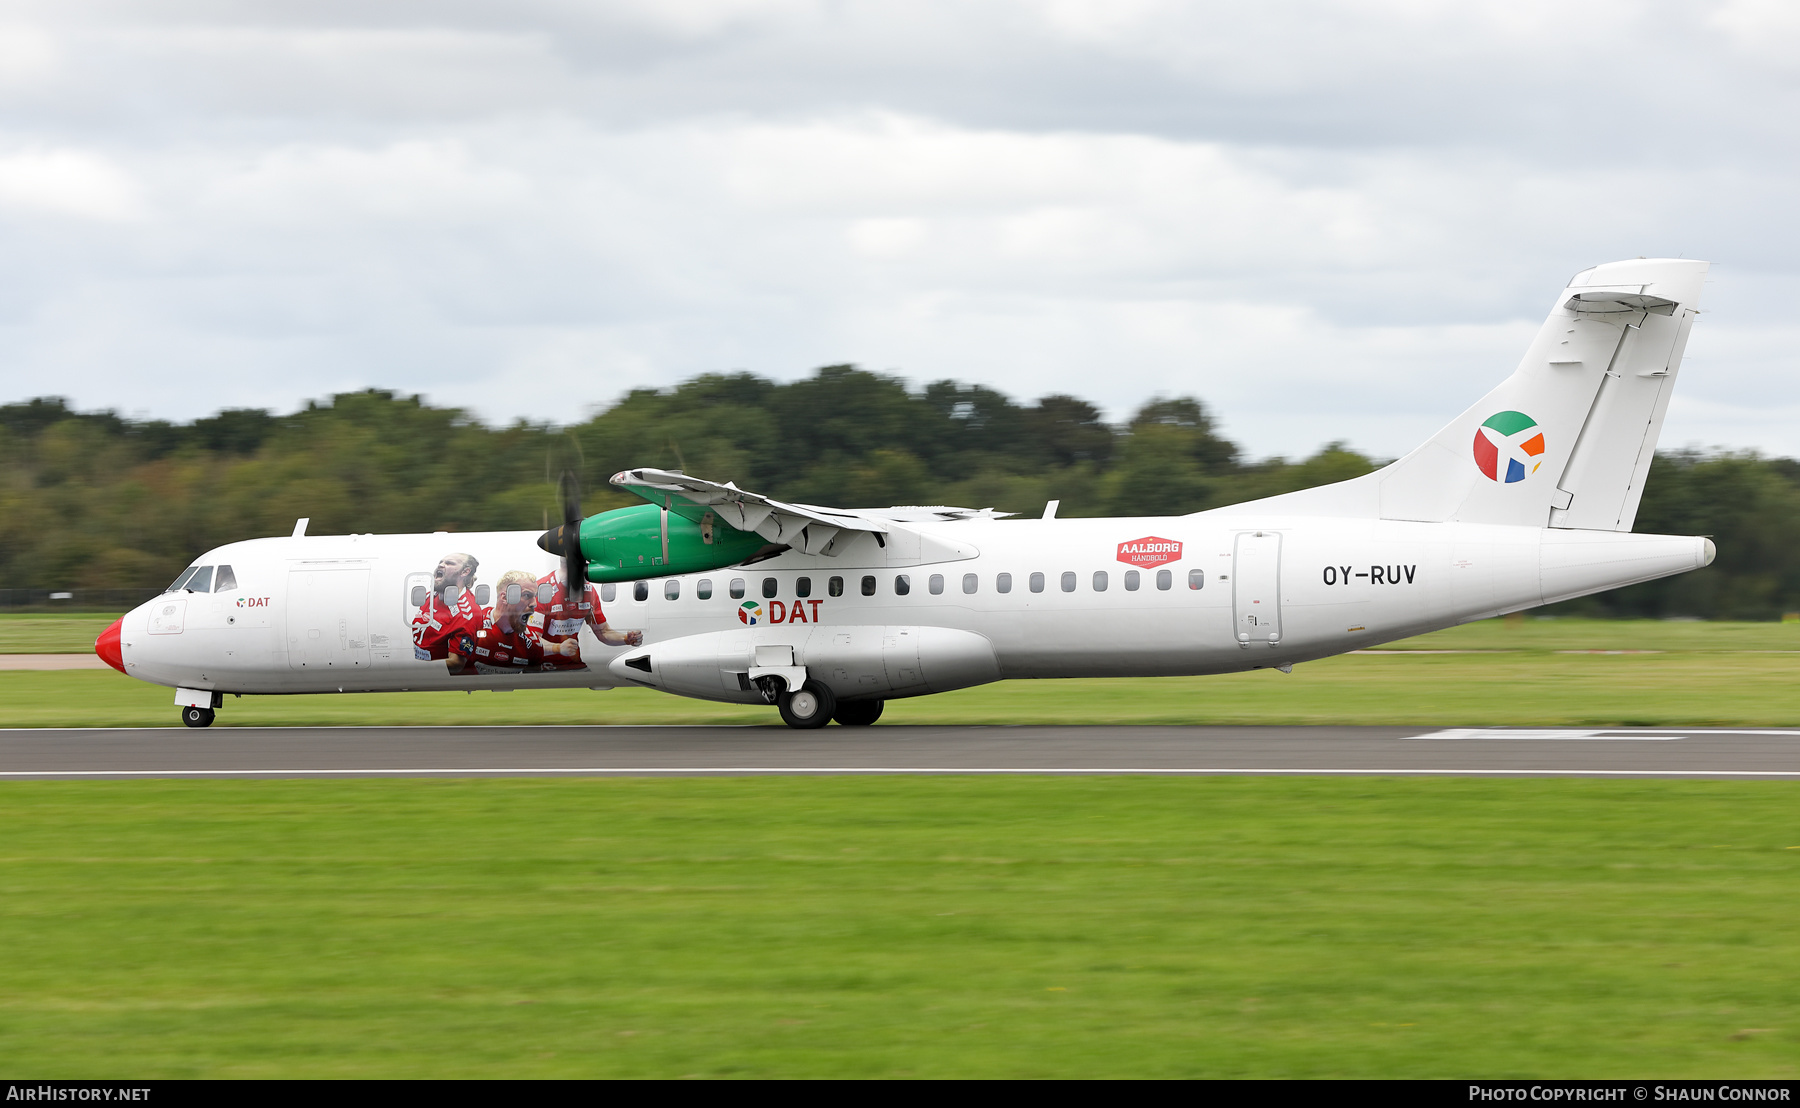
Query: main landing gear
{"points": [[197, 717], [814, 705], [858, 713], [809, 707]]}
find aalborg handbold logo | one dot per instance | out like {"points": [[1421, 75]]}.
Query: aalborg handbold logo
{"points": [[749, 612], [1509, 447], [1151, 550]]}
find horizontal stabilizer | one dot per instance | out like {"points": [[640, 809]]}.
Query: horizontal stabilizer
{"points": [[1630, 298]]}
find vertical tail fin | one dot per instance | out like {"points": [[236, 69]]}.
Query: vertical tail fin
{"points": [[1565, 441]]}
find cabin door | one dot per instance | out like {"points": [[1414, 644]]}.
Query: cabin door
{"points": [[1256, 587], [328, 618]]}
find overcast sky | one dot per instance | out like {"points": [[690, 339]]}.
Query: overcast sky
{"points": [[1328, 221]]}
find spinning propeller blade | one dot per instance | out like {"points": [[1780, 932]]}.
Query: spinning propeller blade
{"points": [[574, 562], [565, 539]]}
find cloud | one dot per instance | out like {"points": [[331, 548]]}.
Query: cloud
{"points": [[27, 56], [65, 182], [1328, 221]]}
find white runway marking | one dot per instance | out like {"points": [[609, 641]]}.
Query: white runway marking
{"points": [[876, 770], [1568, 734]]}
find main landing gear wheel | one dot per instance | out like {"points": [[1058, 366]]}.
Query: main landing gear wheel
{"points": [[858, 713], [808, 708], [197, 717]]}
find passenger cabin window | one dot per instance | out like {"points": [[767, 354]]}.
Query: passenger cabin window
{"points": [[1196, 578], [1164, 579], [224, 580], [737, 588], [936, 584], [672, 589], [546, 592], [609, 592], [970, 582], [835, 586], [1037, 582], [1131, 580], [1100, 580], [902, 584], [803, 586], [703, 588], [868, 586], [201, 581], [418, 596], [640, 590], [1003, 582], [482, 593], [769, 588], [1068, 580]]}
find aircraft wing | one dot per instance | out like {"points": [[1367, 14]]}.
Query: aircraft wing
{"points": [[809, 528]]}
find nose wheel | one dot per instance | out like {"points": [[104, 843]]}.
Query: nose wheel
{"points": [[197, 717]]}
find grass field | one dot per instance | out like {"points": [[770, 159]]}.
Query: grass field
{"points": [[911, 926], [51, 633], [1514, 674], [940, 926]]}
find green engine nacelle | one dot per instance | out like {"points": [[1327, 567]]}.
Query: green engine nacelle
{"points": [[648, 540]]}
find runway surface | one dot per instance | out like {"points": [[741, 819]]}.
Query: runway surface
{"points": [[51, 661], [613, 751]]}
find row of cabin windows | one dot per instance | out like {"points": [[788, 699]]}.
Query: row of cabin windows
{"points": [[545, 593], [205, 579], [971, 584]]}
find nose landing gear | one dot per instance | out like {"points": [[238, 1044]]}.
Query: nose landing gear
{"points": [[198, 706]]}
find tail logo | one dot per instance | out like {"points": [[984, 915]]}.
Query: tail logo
{"points": [[1509, 447], [749, 612]]}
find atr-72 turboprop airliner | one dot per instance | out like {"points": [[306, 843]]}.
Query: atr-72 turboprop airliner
{"points": [[707, 590]]}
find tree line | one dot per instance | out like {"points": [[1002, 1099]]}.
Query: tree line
{"points": [[96, 500]]}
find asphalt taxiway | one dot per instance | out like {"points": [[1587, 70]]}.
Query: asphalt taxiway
{"points": [[612, 751]]}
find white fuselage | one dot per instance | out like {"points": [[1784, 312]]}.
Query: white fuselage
{"points": [[327, 614]]}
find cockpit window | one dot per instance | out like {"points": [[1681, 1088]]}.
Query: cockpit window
{"points": [[224, 580], [182, 580], [201, 581]]}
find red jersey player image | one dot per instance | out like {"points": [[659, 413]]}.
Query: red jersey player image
{"points": [[507, 643], [558, 619], [449, 613]]}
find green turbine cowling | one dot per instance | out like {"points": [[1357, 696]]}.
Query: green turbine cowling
{"points": [[628, 544]]}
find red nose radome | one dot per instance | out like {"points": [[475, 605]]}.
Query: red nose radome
{"points": [[107, 646]]}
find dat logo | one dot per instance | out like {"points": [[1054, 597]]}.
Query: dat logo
{"points": [[751, 613], [1508, 447], [253, 602]]}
